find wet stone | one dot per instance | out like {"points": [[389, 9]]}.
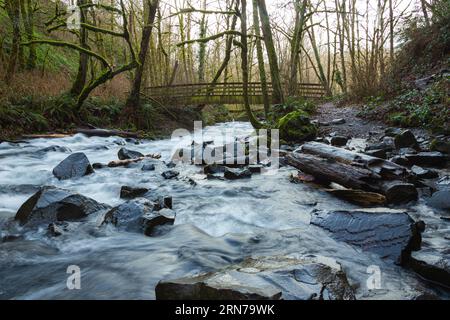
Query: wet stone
{"points": [[235, 174], [125, 154], [127, 192], [390, 233], [431, 159], [52, 204], [171, 174], [74, 166], [264, 278], [422, 173]]}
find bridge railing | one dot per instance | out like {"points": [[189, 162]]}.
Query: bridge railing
{"points": [[229, 91]]}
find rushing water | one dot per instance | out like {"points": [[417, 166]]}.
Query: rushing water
{"points": [[217, 223]]}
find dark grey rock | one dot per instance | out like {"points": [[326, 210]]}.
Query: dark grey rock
{"points": [[52, 204], [148, 167], [213, 169], [427, 159], [441, 145], [55, 149], [255, 168], [234, 174], [139, 215], [405, 139], [264, 278], [171, 165], [338, 141], [401, 160], [422, 173], [377, 153], [392, 234], [125, 154], [127, 192], [432, 267], [440, 200], [98, 166], [400, 192], [74, 166], [171, 174]]}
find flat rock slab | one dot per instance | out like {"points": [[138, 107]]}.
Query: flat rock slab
{"points": [[432, 267], [52, 204], [430, 159], [74, 166], [393, 234], [264, 278]]}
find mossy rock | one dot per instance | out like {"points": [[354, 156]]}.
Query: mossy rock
{"points": [[296, 126]]}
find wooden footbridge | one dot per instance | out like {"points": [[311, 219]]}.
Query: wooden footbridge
{"points": [[222, 93]]}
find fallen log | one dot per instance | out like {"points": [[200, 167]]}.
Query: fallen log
{"points": [[352, 176], [382, 167], [46, 136], [359, 197], [124, 163], [107, 133]]}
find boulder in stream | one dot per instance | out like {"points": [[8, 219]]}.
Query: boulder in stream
{"points": [[127, 192], [235, 174], [393, 234], [264, 278], [170, 174], [52, 204], [55, 149], [440, 199], [126, 154], [74, 166], [140, 215], [432, 267], [422, 173]]}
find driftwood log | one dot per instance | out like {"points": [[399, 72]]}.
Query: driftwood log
{"points": [[107, 133], [354, 171], [124, 163]]}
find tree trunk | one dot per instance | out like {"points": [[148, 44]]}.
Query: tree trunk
{"points": [[81, 78], [300, 10], [278, 96], [260, 54], [132, 105], [13, 10], [244, 65], [202, 47]]}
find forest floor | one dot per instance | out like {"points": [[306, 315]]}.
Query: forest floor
{"points": [[354, 126]]}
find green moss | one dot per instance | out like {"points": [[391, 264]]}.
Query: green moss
{"points": [[296, 127]]}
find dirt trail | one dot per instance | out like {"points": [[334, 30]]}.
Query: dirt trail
{"points": [[354, 126]]}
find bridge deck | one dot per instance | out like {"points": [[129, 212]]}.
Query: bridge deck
{"points": [[223, 93]]}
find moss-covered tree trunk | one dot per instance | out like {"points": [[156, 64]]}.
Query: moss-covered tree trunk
{"points": [[13, 10], [278, 95], [131, 109], [300, 10], [27, 11], [244, 65], [260, 55], [202, 46], [80, 80]]}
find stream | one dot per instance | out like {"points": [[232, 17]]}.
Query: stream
{"points": [[218, 223]]}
